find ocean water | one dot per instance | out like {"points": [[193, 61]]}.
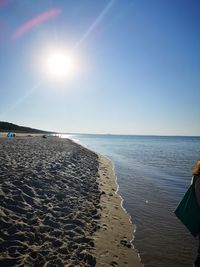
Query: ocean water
{"points": [[153, 174]]}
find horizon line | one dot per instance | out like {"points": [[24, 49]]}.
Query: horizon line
{"points": [[152, 135]]}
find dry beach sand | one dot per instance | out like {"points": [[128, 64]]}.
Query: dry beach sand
{"points": [[58, 206]]}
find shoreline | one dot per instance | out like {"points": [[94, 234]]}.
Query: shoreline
{"points": [[116, 225], [133, 256]]}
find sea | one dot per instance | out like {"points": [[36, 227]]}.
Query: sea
{"points": [[153, 174]]}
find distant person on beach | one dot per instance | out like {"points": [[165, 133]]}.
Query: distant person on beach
{"points": [[196, 179]]}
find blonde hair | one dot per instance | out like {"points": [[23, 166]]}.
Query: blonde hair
{"points": [[196, 170]]}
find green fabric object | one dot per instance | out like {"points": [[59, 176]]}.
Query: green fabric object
{"points": [[188, 211]]}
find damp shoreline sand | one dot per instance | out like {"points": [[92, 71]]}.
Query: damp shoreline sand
{"points": [[116, 226], [59, 206]]}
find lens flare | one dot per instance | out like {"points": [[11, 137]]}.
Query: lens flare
{"points": [[28, 25]]}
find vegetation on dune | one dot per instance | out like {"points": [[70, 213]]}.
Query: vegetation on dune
{"points": [[7, 126]]}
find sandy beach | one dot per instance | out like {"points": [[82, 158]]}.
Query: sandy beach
{"points": [[59, 206]]}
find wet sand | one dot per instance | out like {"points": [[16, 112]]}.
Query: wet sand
{"points": [[58, 206], [113, 245]]}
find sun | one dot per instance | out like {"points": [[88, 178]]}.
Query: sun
{"points": [[58, 64]]}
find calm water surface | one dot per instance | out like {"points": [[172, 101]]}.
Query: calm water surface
{"points": [[153, 174]]}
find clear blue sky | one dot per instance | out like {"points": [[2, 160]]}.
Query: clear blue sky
{"points": [[139, 66]]}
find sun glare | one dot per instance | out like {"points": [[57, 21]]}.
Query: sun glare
{"points": [[58, 64]]}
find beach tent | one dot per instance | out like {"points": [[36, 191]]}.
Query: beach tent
{"points": [[11, 134]]}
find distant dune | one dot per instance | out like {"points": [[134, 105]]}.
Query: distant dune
{"points": [[7, 126]]}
